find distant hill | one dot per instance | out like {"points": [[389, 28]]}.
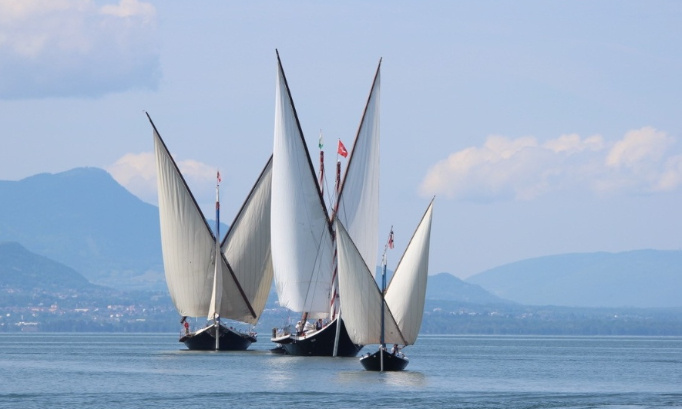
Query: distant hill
{"points": [[22, 270], [84, 219], [642, 278], [39, 294], [446, 287]]}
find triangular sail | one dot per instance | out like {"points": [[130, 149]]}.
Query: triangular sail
{"points": [[189, 247], [217, 292], [362, 301], [358, 202], [406, 292], [247, 247], [301, 231]]}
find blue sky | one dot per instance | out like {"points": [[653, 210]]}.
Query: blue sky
{"points": [[540, 127]]}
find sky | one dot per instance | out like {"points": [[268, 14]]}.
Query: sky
{"points": [[540, 127]]}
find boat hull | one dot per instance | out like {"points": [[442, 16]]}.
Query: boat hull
{"points": [[318, 343], [372, 362], [204, 339]]}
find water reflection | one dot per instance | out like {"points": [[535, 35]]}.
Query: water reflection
{"points": [[399, 380]]}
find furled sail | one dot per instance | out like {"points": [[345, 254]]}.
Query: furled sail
{"points": [[302, 246], [362, 301], [247, 248], [189, 250], [406, 292], [358, 202]]}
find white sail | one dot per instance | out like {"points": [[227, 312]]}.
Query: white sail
{"points": [[301, 234], [217, 293], [362, 301], [187, 243], [189, 249], [247, 248], [406, 292], [358, 202]]}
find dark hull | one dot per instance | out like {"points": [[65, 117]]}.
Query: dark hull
{"points": [[372, 362], [320, 343], [230, 340]]}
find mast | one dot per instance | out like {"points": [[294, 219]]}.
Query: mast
{"points": [[217, 261], [382, 342], [334, 302], [320, 144], [335, 262]]}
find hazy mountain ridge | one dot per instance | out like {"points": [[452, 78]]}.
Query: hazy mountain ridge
{"points": [[39, 294], [639, 278], [22, 270], [446, 287], [84, 219]]}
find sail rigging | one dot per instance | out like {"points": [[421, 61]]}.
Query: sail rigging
{"points": [[247, 247], [362, 297], [358, 199], [193, 262], [406, 293], [302, 244], [403, 301]]}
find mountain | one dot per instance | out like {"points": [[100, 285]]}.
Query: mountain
{"points": [[84, 219], [446, 287], [21, 270], [40, 294], [641, 278]]}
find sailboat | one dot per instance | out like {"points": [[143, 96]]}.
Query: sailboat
{"points": [[390, 315], [303, 244], [205, 277]]}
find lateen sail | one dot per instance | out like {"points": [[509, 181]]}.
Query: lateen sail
{"points": [[404, 298], [217, 292], [358, 202], [189, 249], [406, 292], [302, 246], [362, 301], [247, 248]]}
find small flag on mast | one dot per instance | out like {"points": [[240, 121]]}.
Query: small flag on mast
{"points": [[218, 177], [320, 143], [342, 149], [390, 239]]}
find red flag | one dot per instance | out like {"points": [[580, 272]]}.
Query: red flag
{"points": [[218, 176], [390, 239], [342, 149]]}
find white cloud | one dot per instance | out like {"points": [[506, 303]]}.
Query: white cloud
{"points": [[572, 143], [56, 48], [640, 147], [523, 168], [671, 177], [137, 173], [130, 8]]}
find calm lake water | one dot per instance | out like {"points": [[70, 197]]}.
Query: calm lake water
{"points": [[155, 371]]}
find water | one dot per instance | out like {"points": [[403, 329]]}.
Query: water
{"points": [[155, 371]]}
